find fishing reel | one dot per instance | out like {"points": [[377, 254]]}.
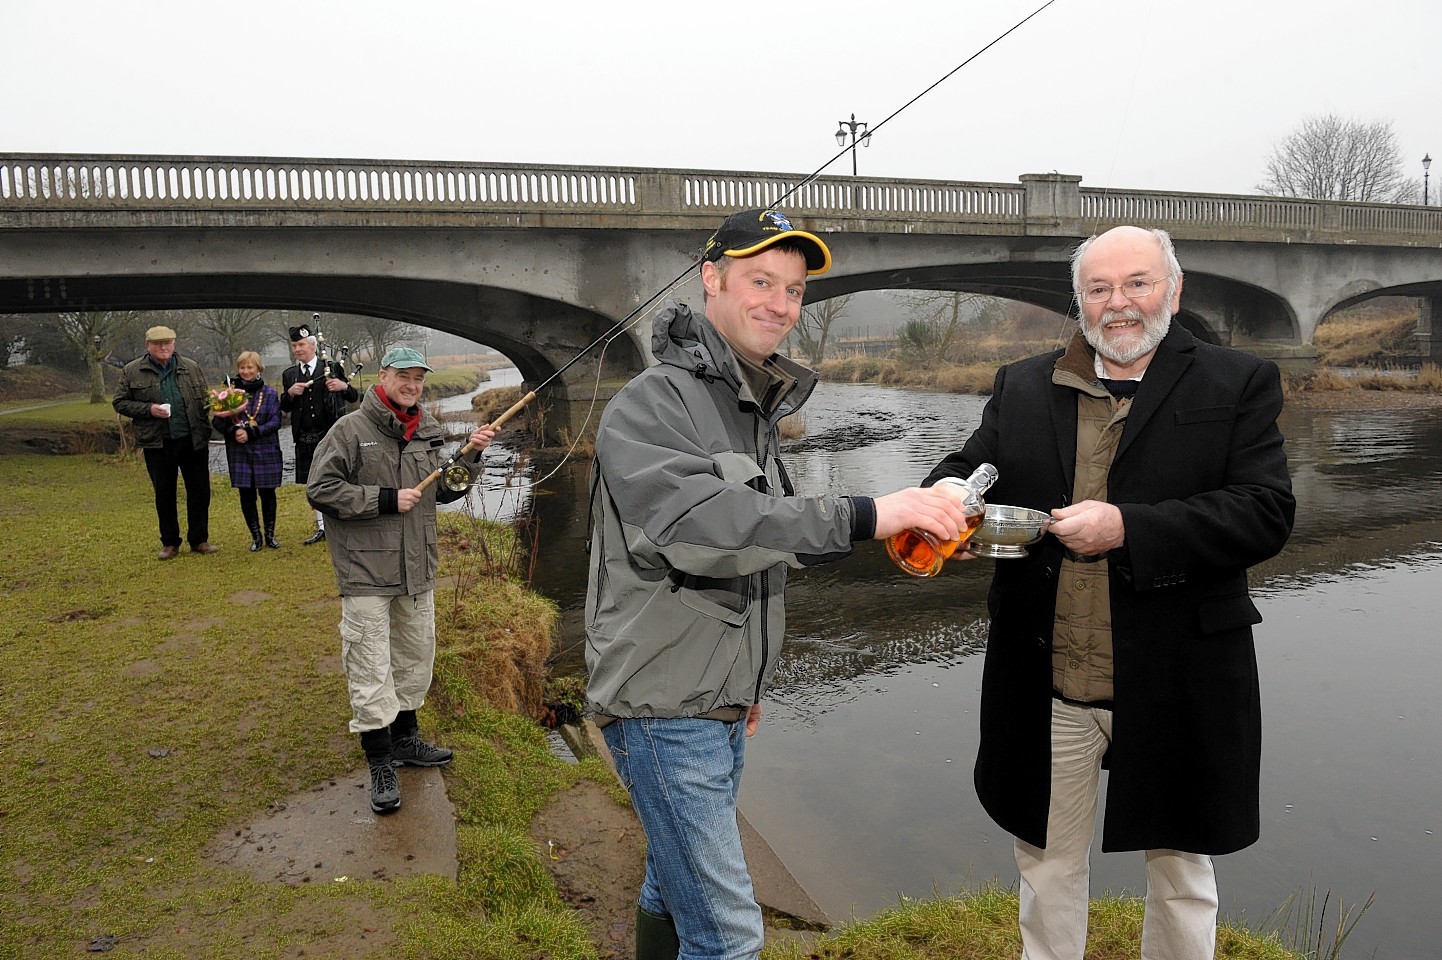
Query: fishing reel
{"points": [[456, 477]]}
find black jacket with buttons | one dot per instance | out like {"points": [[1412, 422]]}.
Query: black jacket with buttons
{"points": [[317, 409]]}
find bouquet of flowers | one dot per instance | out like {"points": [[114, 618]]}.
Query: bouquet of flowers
{"points": [[226, 400]]}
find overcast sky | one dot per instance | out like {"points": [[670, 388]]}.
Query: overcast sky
{"points": [[1149, 94]]}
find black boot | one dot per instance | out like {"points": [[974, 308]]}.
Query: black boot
{"points": [[385, 785], [407, 747], [270, 540], [254, 537], [316, 537], [655, 936]]}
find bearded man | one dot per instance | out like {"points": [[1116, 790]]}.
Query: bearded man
{"points": [[1124, 638]]}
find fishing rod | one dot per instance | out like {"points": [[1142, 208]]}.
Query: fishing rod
{"points": [[453, 461]]}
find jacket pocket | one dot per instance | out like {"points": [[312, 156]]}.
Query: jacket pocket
{"points": [[1207, 415], [374, 568], [1221, 614], [727, 600]]}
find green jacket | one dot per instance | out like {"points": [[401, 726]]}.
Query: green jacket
{"points": [[139, 387], [358, 467]]}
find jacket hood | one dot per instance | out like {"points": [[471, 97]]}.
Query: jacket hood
{"points": [[682, 339]]}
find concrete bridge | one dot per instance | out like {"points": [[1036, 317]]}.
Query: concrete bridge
{"points": [[538, 261]]}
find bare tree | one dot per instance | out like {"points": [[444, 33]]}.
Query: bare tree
{"points": [[814, 327], [94, 334], [230, 330], [1329, 158], [382, 333], [939, 316]]}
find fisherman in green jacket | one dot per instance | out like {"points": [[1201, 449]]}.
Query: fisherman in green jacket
{"points": [[365, 477]]}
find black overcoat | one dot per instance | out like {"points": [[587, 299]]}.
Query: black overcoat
{"points": [[1201, 480]]}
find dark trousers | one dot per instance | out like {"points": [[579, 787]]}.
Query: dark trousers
{"points": [[194, 467], [304, 453]]}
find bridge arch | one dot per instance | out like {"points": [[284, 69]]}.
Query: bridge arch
{"points": [[1215, 309], [539, 334]]}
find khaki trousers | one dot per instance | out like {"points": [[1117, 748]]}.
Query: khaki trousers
{"points": [[1181, 904], [388, 647]]}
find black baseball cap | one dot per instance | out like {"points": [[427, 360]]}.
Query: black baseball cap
{"points": [[751, 231]]}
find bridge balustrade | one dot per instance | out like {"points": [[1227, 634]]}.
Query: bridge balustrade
{"points": [[504, 194]]}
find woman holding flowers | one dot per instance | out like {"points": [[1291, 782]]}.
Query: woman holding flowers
{"points": [[247, 413]]}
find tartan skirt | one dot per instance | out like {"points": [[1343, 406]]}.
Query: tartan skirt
{"points": [[255, 464]]}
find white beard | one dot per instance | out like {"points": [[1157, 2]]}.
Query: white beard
{"points": [[1154, 329]]}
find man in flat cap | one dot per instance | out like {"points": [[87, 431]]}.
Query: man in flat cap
{"points": [[696, 526], [165, 397], [314, 392]]}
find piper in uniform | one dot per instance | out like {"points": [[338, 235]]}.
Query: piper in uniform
{"points": [[314, 392]]}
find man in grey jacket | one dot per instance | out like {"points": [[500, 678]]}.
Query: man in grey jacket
{"points": [[696, 525], [365, 477]]}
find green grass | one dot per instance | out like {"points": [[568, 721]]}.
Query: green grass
{"points": [[149, 706], [453, 380], [982, 925], [68, 409]]}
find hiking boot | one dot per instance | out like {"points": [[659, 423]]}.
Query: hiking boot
{"points": [[412, 751], [385, 788]]}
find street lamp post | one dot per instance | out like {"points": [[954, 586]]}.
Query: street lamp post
{"points": [[856, 130], [1426, 165]]}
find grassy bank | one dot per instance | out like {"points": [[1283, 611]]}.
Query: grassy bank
{"points": [[150, 706]]}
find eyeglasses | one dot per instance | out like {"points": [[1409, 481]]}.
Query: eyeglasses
{"points": [[1134, 289]]}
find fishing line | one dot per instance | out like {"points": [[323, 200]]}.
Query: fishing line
{"points": [[596, 387], [1144, 44], [870, 130]]}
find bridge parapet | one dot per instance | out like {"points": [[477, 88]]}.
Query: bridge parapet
{"points": [[72, 190]]}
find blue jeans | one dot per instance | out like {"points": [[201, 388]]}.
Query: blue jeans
{"points": [[683, 777]]}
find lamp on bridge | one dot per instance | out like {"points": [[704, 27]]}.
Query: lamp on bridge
{"points": [[1426, 165], [856, 130]]}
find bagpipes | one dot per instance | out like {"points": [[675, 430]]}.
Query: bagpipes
{"points": [[335, 402]]}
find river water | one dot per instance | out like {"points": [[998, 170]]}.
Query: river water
{"points": [[860, 777]]}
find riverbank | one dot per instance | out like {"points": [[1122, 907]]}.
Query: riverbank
{"points": [[180, 704], [42, 411]]}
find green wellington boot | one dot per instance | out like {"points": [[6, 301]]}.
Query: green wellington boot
{"points": [[655, 936]]}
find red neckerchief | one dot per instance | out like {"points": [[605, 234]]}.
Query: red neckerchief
{"points": [[410, 419]]}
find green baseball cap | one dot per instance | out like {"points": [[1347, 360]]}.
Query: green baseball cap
{"points": [[402, 357]]}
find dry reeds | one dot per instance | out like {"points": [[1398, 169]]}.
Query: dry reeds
{"points": [[894, 371], [1369, 335], [489, 404], [494, 633], [793, 427]]}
